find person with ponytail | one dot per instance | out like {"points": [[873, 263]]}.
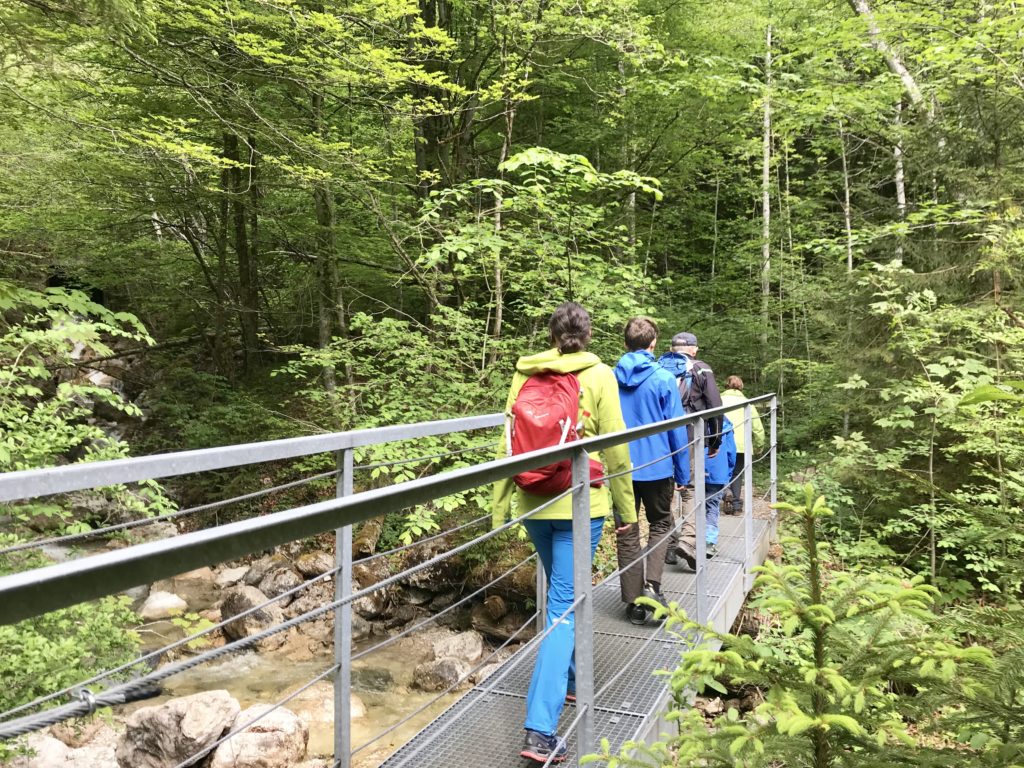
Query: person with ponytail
{"points": [[550, 529]]}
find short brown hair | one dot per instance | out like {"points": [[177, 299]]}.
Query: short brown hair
{"points": [[734, 382], [640, 333], [570, 328]]}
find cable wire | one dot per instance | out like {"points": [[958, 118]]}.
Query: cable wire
{"points": [[431, 457], [226, 502], [421, 542], [447, 690], [434, 617], [169, 516]]}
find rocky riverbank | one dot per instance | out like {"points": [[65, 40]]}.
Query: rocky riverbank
{"points": [[203, 705]]}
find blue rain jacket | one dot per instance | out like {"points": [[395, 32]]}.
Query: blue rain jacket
{"points": [[648, 394], [718, 470]]}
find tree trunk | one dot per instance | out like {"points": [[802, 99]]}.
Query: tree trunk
{"points": [[326, 288], [248, 293], [714, 244], [892, 58], [766, 196], [848, 223], [900, 179], [847, 212], [499, 273]]}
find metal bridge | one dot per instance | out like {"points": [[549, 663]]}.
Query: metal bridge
{"points": [[618, 696]]}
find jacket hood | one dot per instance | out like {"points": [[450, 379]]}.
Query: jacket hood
{"points": [[553, 360], [674, 363], [634, 368]]}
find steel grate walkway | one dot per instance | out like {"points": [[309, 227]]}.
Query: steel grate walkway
{"points": [[484, 727]]}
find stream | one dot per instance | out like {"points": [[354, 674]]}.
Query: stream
{"points": [[382, 680]]}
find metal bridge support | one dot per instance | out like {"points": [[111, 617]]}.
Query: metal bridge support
{"points": [[583, 590], [700, 522], [748, 498], [343, 622], [774, 449]]}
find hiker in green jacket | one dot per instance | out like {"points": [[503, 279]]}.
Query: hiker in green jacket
{"points": [[733, 394], [550, 530]]}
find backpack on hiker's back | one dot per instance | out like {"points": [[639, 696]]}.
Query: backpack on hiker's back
{"points": [[547, 412]]}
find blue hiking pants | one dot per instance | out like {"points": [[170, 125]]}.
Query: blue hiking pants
{"points": [[555, 665], [712, 506]]}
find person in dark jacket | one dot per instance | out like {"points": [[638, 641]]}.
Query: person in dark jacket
{"points": [[698, 391], [648, 394]]}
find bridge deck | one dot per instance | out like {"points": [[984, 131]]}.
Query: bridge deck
{"points": [[484, 727]]}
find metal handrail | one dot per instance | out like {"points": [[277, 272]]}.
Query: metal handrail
{"points": [[31, 593], [30, 483], [35, 592]]}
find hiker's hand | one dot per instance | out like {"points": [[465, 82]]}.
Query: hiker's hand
{"points": [[712, 454], [624, 529]]}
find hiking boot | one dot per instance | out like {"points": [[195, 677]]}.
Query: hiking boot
{"points": [[637, 614], [710, 550], [539, 747], [654, 593], [686, 554], [671, 558]]}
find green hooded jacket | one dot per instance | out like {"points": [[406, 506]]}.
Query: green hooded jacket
{"points": [[601, 415], [733, 397]]}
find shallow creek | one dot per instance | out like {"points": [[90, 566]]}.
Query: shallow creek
{"points": [[381, 680]]}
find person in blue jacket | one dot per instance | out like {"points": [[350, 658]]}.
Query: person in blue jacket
{"points": [[661, 463], [718, 469]]}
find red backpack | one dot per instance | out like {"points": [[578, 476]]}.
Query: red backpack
{"points": [[546, 412]]}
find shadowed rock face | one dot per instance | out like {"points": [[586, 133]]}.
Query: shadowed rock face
{"points": [[242, 598], [166, 735]]}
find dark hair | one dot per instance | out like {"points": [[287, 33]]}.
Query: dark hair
{"points": [[734, 382], [569, 327], [640, 333]]}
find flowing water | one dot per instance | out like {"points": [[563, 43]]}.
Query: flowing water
{"points": [[382, 681]]}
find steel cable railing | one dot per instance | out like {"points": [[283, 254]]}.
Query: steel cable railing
{"points": [[480, 665], [383, 644], [434, 617], [220, 503], [91, 701], [115, 695], [534, 641], [157, 653], [419, 459], [35, 544]]}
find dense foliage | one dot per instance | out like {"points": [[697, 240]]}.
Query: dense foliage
{"points": [[325, 216]]}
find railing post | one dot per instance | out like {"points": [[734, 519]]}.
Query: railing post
{"points": [[700, 521], [774, 450], [343, 623], [748, 496], [584, 611]]}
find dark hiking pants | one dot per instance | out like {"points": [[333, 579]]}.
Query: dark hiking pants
{"points": [[736, 483], [656, 497]]}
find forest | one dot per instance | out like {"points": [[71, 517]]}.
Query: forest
{"points": [[269, 218]]}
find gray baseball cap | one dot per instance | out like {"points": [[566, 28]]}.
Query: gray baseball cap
{"points": [[684, 339]]}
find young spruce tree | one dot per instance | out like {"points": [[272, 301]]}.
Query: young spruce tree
{"points": [[850, 667]]}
